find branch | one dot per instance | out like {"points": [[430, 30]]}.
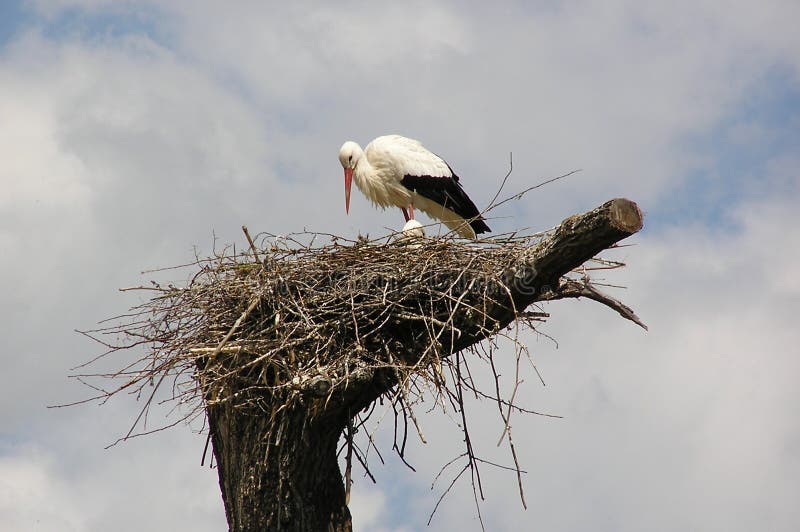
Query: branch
{"points": [[474, 311], [571, 288], [537, 276]]}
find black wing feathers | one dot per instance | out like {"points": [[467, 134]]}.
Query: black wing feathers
{"points": [[447, 191]]}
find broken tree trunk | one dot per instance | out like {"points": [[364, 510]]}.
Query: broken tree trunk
{"points": [[288, 481], [275, 443]]}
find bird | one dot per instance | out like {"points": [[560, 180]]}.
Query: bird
{"points": [[413, 229], [398, 171], [412, 235]]}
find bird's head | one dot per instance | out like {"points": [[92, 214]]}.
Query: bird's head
{"points": [[349, 155]]}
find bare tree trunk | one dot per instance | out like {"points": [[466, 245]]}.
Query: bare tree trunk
{"points": [[278, 468], [288, 481]]}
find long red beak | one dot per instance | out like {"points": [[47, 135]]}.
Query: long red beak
{"points": [[348, 180]]}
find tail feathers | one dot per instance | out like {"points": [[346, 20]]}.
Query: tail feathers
{"points": [[479, 226], [448, 195], [454, 221]]}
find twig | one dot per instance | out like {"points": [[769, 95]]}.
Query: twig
{"points": [[252, 245], [573, 289], [348, 478], [518, 195], [502, 183], [350, 324]]}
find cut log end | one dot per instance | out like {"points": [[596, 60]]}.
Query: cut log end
{"points": [[626, 215]]}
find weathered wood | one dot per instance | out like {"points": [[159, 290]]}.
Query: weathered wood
{"points": [[576, 240], [290, 480]]}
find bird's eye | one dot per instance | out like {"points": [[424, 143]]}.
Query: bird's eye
{"points": [[350, 158]]}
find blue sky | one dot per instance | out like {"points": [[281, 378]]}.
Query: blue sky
{"points": [[737, 167], [134, 133], [13, 16]]}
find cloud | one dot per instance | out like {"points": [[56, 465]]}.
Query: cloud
{"points": [[691, 415], [42, 489], [123, 149], [30, 498]]}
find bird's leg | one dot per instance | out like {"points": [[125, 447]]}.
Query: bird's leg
{"points": [[410, 211], [405, 213]]}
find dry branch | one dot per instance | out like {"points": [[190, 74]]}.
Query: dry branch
{"points": [[283, 354]]}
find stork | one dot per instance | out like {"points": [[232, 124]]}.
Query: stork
{"points": [[412, 235], [413, 229], [398, 171]]}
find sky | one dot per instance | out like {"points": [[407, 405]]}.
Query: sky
{"points": [[136, 134]]}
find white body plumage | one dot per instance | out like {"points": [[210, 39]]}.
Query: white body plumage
{"points": [[399, 171]]}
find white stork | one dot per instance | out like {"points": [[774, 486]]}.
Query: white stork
{"points": [[413, 229], [412, 235], [399, 171]]}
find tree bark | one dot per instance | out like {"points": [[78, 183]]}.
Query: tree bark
{"points": [[288, 481], [576, 240], [278, 469]]}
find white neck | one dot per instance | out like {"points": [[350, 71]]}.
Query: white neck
{"points": [[364, 174], [379, 185]]}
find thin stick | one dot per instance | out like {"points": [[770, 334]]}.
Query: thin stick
{"points": [[348, 478], [503, 183], [252, 244], [543, 183]]}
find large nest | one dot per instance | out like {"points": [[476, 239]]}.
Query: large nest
{"points": [[300, 319], [321, 323]]}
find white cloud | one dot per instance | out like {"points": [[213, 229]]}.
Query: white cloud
{"points": [[119, 152], [70, 488], [369, 509], [696, 414], [31, 500]]}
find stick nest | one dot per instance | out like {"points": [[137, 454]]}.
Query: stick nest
{"points": [[293, 323], [311, 320]]}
